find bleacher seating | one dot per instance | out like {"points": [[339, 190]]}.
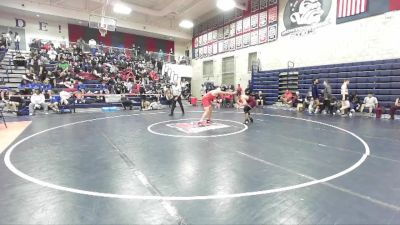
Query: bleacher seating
{"points": [[380, 77], [268, 84]]}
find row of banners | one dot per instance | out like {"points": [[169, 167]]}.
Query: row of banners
{"points": [[255, 29], [261, 36]]}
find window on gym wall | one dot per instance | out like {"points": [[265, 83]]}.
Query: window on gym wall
{"points": [[228, 71], [252, 60], [208, 68]]}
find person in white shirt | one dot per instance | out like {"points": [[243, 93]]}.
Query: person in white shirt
{"points": [[37, 101], [203, 90], [52, 54], [17, 39], [370, 102], [9, 38], [344, 91], [92, 44], [177, 93], [64, 96]]}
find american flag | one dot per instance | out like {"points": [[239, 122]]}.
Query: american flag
{"points": [[347, 8]]}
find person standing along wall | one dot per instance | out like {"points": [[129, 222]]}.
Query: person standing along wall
{"points": [[328, 97], [17, 40], [344, 91], [314, 102]]}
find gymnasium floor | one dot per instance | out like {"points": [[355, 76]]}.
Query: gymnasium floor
{"points": [[148, 168]]}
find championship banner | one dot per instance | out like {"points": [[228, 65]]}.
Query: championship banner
{"points": [[254, 38], [209, 37], [232, 44], [254, 22], [239, 42], [232, 30], [215, 48], [262, 20], [246, 40], [220, 33], [239, 27], [221, 47], [246, 24], [262, 35], [214, 35], [226, 31]]}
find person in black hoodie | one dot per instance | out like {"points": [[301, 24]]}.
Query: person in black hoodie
{"points": [[314, 101]]}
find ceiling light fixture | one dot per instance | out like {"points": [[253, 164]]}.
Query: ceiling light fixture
{"points": [[226, 5], [37, 15], [186, 24], [122, 9]]}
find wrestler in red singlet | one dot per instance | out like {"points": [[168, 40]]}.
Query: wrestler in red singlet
{"points": [[208, 99], [207, 102]]}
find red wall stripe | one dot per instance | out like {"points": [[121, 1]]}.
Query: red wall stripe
{"points": [[394, 5], [75, 32]]}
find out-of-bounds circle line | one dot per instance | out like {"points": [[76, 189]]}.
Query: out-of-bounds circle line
{"points": [[151, 130], [12, 168]]}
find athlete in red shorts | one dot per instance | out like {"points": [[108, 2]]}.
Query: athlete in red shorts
{"points": [[209, 98], [249, 102]]}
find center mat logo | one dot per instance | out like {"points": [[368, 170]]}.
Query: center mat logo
{"points": [[193, 128], [302, 17]]}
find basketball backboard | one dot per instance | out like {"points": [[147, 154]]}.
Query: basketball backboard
{"points": [[97, 21]]}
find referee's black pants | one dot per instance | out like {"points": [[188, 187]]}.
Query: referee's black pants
{"points": [[179, 100]]}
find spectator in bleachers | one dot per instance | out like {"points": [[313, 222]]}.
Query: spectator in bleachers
{"points": [[52, 55], [260, 99], [314, 100], [29, 77], [3, 52], [355, 102], [287, 97], [92, 44], [9, 38], [64, 97], [370, 102], [239, 91], [394, 108], [11, 102], [298, 101], [37, 101], [36, 65]]}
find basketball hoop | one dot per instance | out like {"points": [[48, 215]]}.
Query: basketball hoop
{"points": [[103, 31]]}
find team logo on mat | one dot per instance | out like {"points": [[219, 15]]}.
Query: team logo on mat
{"points": [[302, 17], [193, 128]]}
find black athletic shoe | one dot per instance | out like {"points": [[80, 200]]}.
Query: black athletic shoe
{"points": [[251, 120], [170, 114]]}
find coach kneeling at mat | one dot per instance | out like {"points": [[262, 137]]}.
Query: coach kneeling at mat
{"points": [[177, 93]]}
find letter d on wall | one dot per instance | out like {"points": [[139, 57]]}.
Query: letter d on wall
{"points": [[43, 26], [20, 22]]}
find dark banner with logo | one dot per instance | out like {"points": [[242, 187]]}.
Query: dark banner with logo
{"points": [[302, 17]]}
